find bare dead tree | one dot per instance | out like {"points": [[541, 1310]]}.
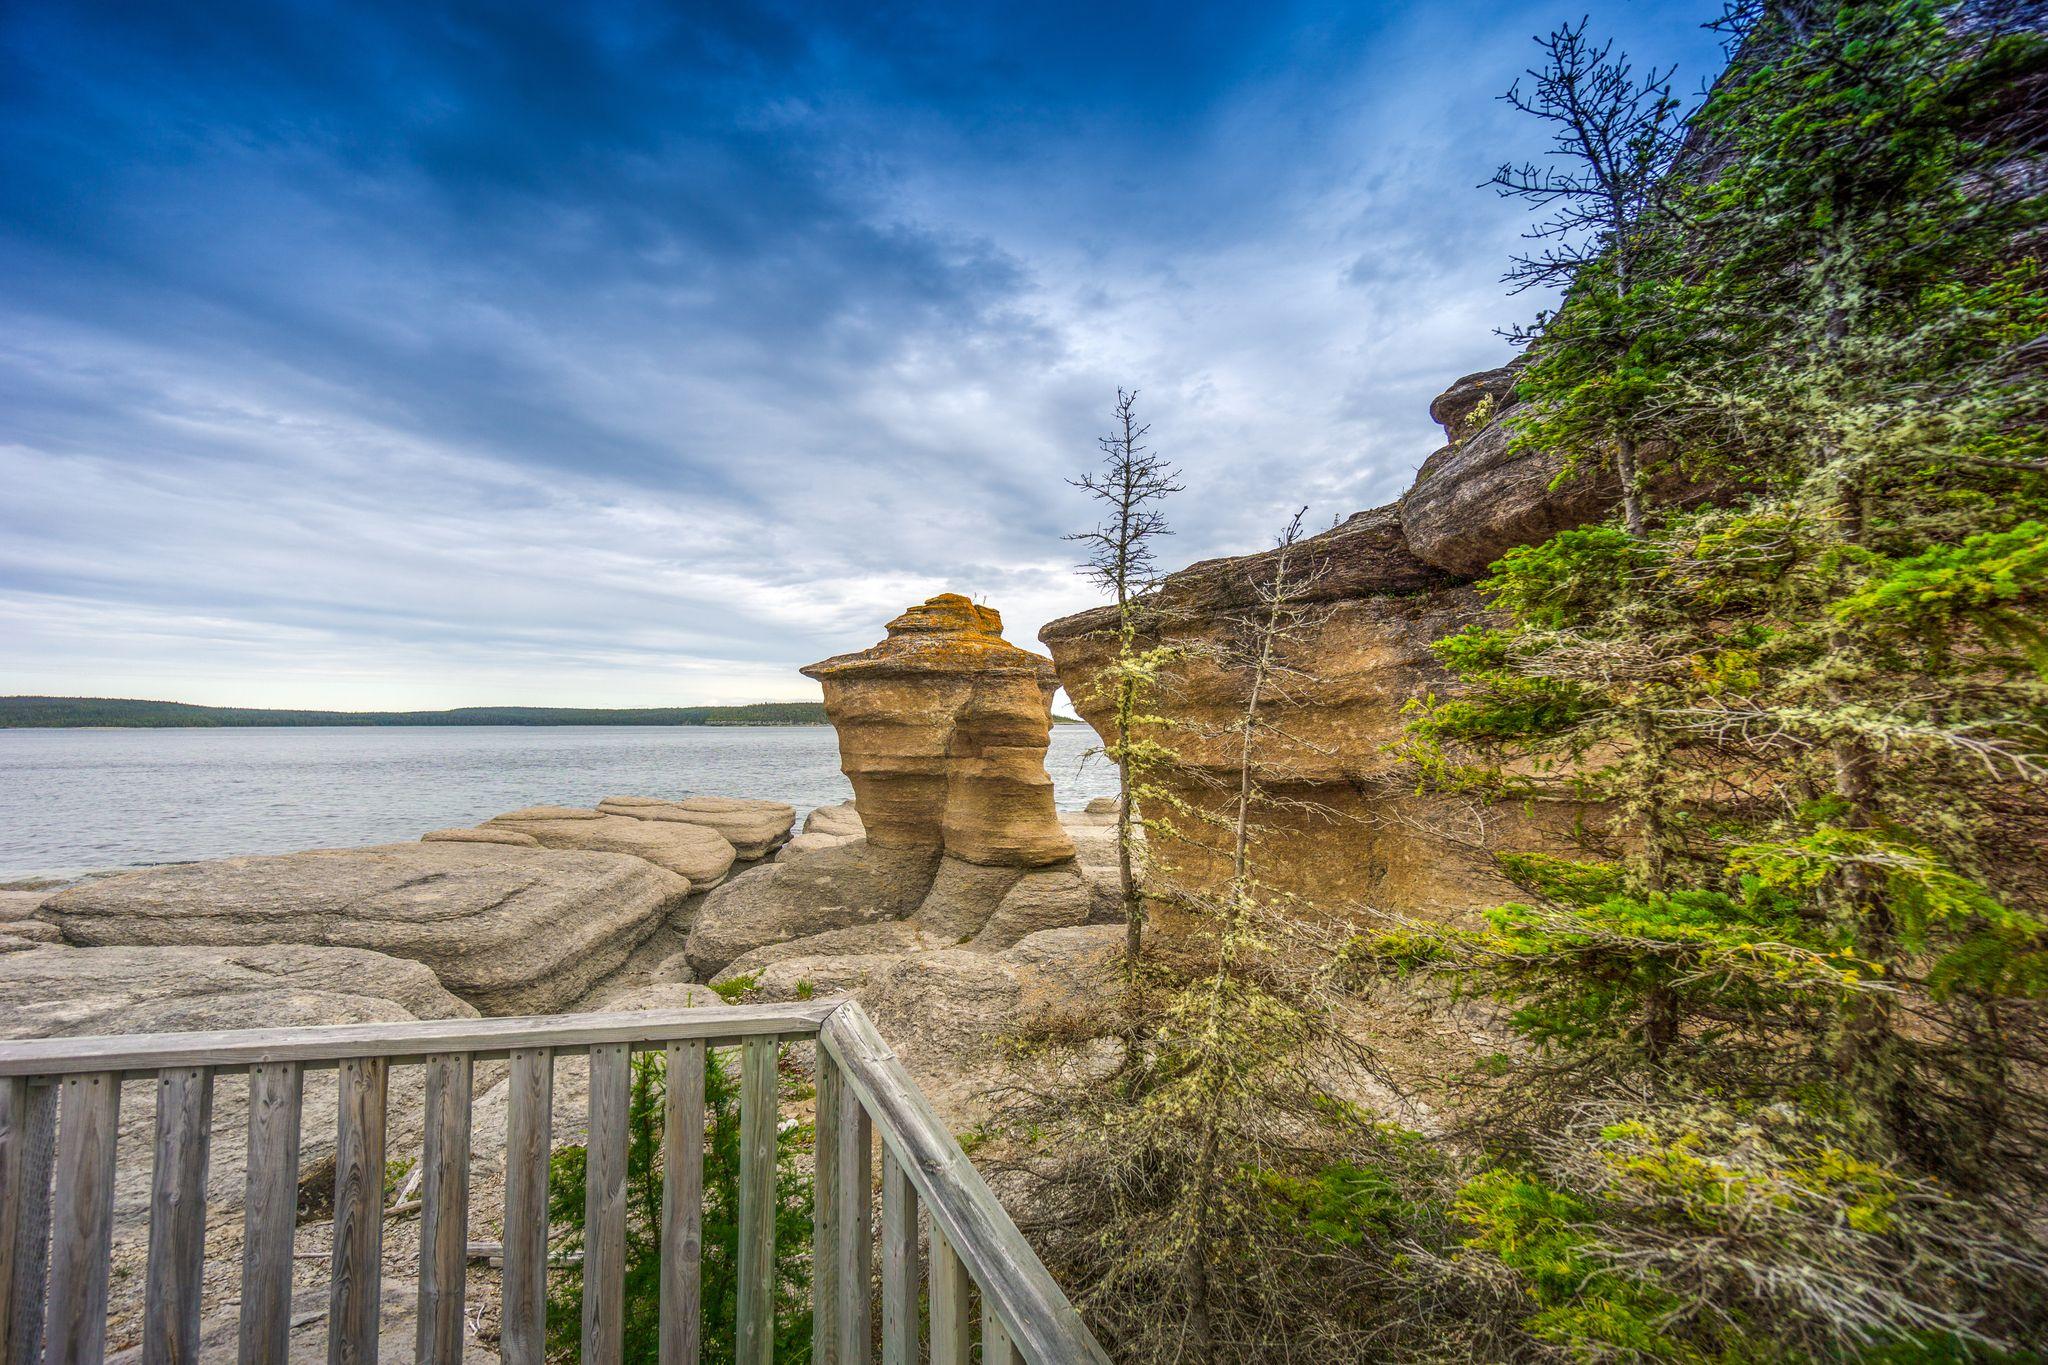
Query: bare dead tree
{"points": [[1614, 137], [1131, 483], [1261, 637], [1601, 189]]}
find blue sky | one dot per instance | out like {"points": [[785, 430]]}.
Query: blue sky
{"points": [[368, 355]]}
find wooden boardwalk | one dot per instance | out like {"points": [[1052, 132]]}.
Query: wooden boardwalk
{"points": [[60, 1098]]}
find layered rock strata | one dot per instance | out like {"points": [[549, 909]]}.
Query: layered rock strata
{"points": [[699, 855], [510, 930], [943, 729], [753, 828], [1347, 826]]}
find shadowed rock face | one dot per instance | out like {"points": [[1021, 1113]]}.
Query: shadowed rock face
{"points": [[943, 728]]}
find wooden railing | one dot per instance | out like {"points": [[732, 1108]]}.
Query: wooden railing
{"points": [[59, 1110]]}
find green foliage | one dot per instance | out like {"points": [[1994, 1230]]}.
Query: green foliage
{"points": [[720, 1266], [734, 989], [1540, 1232], [1990, 589], [1356, 1204], [1789, 707]]}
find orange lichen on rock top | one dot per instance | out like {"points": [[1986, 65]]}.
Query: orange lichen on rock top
{"points": [[946, 634]]}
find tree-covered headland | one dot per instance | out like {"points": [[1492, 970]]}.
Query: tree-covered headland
{"points": [[1771, 1005]]}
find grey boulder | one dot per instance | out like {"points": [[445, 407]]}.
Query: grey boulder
{"points": [[1474, 400], [1061, 897], [841, 821], [944, 1012], [830, 889], [1475, 501]]}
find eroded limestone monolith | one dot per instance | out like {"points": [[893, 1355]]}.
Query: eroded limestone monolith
{"points": [[943, 729]]}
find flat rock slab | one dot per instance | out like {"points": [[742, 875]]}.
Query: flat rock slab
{"points": [[78, 992], [20, 905], [703, 856], [486, 835], [754, 828], [511, 930]]}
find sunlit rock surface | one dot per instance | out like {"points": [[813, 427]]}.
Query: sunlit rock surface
{"points": [[943, 729], [1348, 827], [754, 828]]}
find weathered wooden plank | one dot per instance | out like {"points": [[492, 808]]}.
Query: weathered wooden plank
{"points": [[13, 1153], [757, 1203], [952, 1324], [416, 1041], [1043, 1324], [825, 1214], [82, 1223], [522, 1336], [682, 1207], [28, 1150], [855, 1229], [900, 1264], [13, 1185], [604, 1206], [444, 1210], [177, 1216], [270, 1212], [358, 1214], [996, 1347]]}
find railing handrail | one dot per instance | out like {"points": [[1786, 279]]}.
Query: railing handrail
{"points": [[1042, 1323], [330, 1044], [862, 1088]]}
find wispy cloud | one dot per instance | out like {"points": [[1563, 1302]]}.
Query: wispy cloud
{"points": [[415, 354]]}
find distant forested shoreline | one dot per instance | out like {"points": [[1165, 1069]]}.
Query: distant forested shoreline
{"points": [[57, 713]]}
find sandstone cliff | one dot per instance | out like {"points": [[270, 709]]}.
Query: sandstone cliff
{"points": [[1348, 826]]}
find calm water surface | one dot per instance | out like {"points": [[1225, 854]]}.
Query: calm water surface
{"points": [[81, 800]]}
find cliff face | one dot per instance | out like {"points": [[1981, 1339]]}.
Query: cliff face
{"points": [[1348, 827]]}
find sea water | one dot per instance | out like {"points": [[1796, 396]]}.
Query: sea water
{"points": [[75, 801]]}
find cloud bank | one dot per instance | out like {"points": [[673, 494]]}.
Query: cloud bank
{"points": [[368, 355]]}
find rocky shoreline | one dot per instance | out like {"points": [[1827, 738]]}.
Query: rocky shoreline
{"points": [[950, 896], [969, 906]]}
